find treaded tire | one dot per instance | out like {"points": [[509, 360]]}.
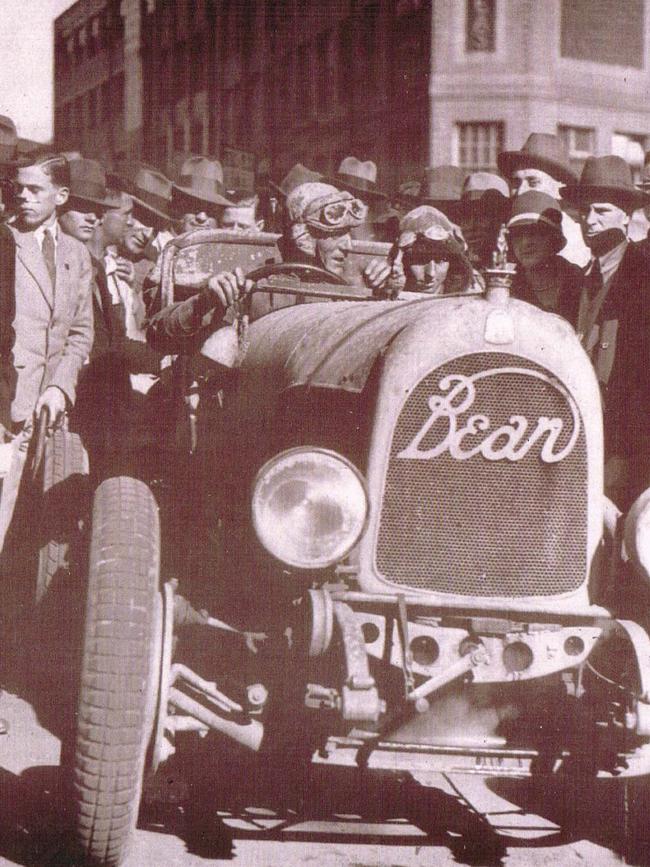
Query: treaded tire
{"points": [[65, 490], [119, 676]]}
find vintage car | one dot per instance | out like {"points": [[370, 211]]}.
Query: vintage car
{"points": [[412, 497]]}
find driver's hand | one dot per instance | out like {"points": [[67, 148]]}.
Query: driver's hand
{"points": [[54, 399], [228, 287], [376, 275]]}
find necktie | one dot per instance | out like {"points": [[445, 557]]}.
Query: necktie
{"points": [[594, 279], [48, 255]]}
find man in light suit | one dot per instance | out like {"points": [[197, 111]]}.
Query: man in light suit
{"points": [[53, 321]]}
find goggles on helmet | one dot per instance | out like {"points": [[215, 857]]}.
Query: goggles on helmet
{"points": [[329, 213], [435, 234]]}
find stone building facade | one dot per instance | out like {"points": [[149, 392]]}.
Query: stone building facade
{"points": [[403, 82]]}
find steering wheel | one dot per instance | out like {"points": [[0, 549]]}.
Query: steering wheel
{"points": [[307, 273]]}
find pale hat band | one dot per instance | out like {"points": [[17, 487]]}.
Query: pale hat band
{"points": [[532, 218]]}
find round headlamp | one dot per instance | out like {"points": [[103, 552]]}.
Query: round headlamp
{"points": [[309, 507]]}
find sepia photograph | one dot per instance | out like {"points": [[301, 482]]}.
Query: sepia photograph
{"points": [[324, 433]]}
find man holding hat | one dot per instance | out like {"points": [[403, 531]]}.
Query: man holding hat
{"points": [[543, 165], [614, 319]]}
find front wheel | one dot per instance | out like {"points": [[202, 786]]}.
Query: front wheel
{"points": [[120, 668]]}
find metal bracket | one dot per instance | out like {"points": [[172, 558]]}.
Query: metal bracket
{"points": [[359, 697], [407, 658]]}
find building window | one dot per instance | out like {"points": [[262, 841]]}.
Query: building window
{"points": [[478, 145], [480, 25], [631, 147], [579, 142], [603, 31]]}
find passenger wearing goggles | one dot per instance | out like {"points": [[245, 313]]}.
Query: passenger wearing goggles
{"points": [[433, 254]]}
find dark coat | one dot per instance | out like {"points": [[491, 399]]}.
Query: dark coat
{"points": [[570, 280], [622, 364]]}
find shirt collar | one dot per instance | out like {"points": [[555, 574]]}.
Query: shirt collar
{"points": [[610, 260], [39, 233]]}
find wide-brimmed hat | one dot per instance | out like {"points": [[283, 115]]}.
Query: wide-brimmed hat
{"points": [[538, 209], [201, 181], [297, 175], [357, 176], [442, 185], [541, 151], [606, 179], [8, 139], [150, 190], [486, 192], [87, 183]]}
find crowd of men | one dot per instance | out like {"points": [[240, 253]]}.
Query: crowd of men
{"points": [[83, 327]]}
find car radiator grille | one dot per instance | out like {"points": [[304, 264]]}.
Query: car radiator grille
{"points": [[482, 527]]}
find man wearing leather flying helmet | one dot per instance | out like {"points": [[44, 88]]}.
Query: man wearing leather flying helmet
{"points": [[317, 233]]}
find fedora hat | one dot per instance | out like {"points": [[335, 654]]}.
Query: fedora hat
{"points": [[606, 179], [297, 175], [8, 139], [537, 209], [150, 190], [201, 180], [541, 151], [88, 183], [483, 191], [357, 176], [442, 185]]}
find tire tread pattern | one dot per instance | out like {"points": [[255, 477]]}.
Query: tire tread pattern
{"points": [[113, 728]]}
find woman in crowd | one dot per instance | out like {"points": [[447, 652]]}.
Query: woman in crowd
{"points": [[431, 253], [544, 278]]}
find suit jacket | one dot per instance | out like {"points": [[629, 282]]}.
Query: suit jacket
{"points": [[53, 324], [622, 363], [7, 314]]}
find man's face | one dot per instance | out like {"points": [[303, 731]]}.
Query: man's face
{"points": [[480, 229], [524, 180], [135, 240], [116, 223], [332, 250], [532, 245], [241, 218], [79, 224], [603, 225], [199, 220], [36, 196]]}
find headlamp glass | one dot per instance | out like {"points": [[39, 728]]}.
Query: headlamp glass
{"points": [[309, 507]]}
